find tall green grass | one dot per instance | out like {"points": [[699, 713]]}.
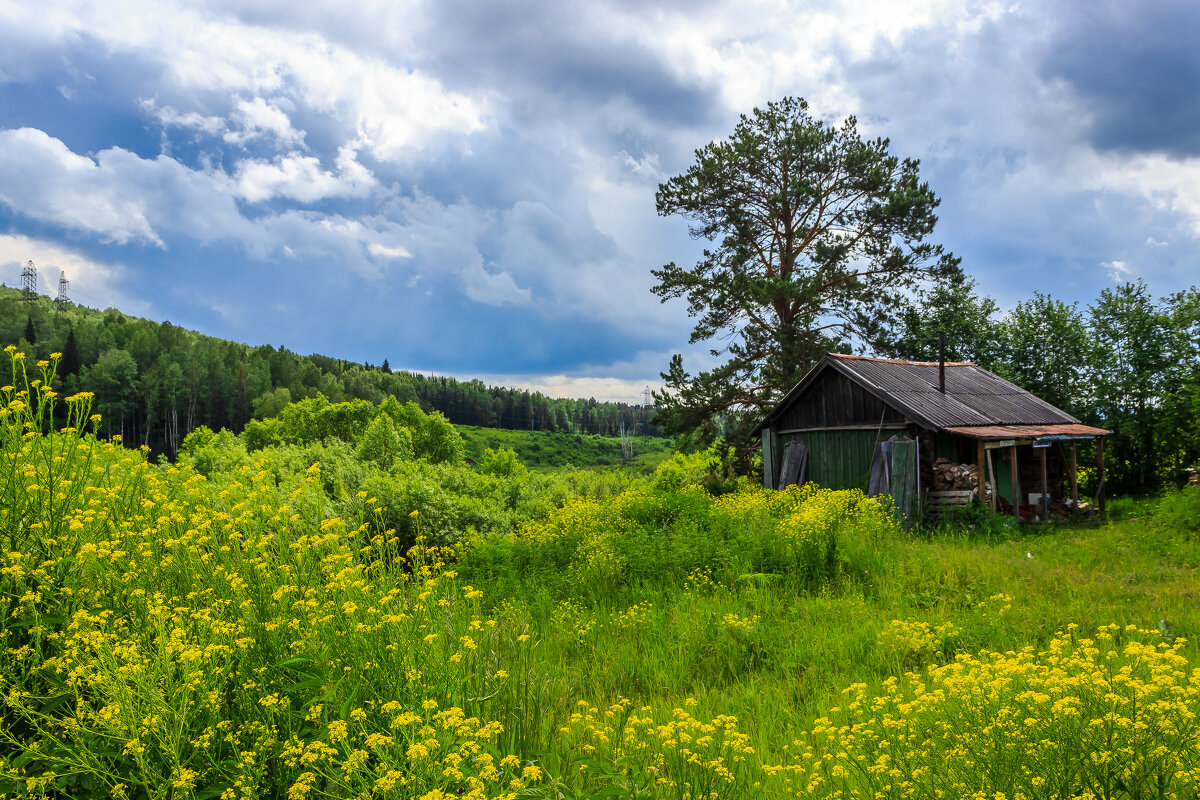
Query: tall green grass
{"points": [[262, 631]]}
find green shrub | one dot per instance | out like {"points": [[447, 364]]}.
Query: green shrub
{"points": [[1181, 510], [502, 462]]}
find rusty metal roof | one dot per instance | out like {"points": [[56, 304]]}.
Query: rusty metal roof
{"points": [[973, 397], [1029, 431]]}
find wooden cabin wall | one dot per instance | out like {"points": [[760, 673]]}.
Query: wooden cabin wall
{"points": [[836, 459], [833, 401]]}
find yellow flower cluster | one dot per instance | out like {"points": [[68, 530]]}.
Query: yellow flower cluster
{"points": [[996, 604], [911, 643], [636, 616], [679, 757], [1108, 716], [733, 623]]}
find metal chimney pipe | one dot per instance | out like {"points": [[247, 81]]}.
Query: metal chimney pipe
{"points": [[941, 362]]}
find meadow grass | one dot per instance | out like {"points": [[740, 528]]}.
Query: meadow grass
{"points": [[172, 635], [544, 450]]}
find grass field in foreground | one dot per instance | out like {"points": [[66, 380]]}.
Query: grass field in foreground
{"points": [[168, 635]]}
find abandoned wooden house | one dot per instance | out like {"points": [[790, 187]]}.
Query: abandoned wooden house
{"points": [[929, 434]]}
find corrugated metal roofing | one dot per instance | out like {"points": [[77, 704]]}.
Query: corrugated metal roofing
{"points": [[1029, 431], [973, 395]]}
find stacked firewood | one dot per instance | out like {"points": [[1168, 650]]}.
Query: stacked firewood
{"points": [[949, 477]]}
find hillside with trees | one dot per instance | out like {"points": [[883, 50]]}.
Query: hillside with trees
{"points": [[156, 382]]}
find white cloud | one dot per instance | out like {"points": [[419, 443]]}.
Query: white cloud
{"points": [[169, 117], [259, 119], [644, 167], [301, 178], [118, 195], [41, 178], [621, 381], [604, 389], [391, 108], [384, 251], [494, 289], [1168, 183], [1118, 271]]}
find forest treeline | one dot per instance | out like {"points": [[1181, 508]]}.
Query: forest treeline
{"points": [[156, 382], [1126, 361]]}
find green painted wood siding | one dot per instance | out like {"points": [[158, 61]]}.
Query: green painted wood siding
{"points": [[836, 459]]}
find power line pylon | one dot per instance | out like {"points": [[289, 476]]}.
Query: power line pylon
{"points": [[29, 282], [63, 285], [647, 397]]}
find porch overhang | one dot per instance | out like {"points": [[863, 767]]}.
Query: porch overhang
{"points": [[1028, 433]]}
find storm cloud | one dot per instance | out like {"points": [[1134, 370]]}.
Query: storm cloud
{"points": [[469, 188]]}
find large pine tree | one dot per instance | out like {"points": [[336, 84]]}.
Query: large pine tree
{"points": [[820, 238]]}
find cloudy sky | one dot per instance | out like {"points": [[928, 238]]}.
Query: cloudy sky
{"points": [[468, 188]]}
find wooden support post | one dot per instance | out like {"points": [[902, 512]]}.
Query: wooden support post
{"points": [[1045, 513], [1100, 476], [1016, 483], [768, 450], [992, 480], [1074, 477], [980, 460]]}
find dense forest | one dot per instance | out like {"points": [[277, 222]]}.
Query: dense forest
{"points": [[156, 382]]}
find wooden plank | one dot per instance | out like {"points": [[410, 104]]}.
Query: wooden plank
{"points": [[1045, 490], [890, 426], [937, 503], [904, 465], [992, 480], [957, 497], [768, 458], [1016, 484], [794, 455], [1074, 478], [981, 465]]}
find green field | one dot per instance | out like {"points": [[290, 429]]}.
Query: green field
{"points": [[545, 450], [360, 614]]}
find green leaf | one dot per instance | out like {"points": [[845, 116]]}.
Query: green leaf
{"points": [[609, 791], [345, 709], [55, 702]]}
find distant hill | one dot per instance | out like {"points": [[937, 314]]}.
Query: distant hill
{"points": [[547, 450], [156, 382]]}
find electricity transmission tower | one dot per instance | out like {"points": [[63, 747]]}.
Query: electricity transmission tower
{"points": [[63, 285], [29, 282], [647, 397]]}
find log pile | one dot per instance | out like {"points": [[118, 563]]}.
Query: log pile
{"points": [[948, 476]]}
